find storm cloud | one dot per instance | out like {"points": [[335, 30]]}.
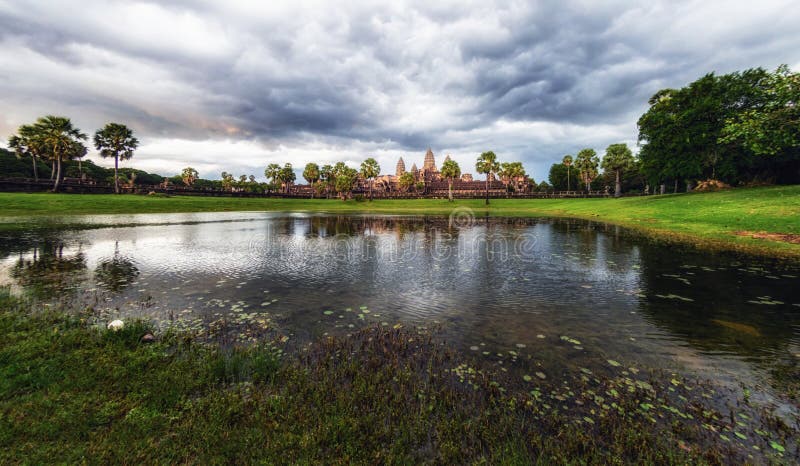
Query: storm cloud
{"points": [[236, 85]]}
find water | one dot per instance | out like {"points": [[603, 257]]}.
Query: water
{"points": [[554, 294]]}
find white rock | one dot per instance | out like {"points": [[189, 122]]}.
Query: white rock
{"points": [[116, 325]]}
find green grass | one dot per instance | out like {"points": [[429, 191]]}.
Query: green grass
{"points": [[706, 219], [71, 392]]}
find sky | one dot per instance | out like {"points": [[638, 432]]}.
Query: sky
{"points": [[235, 85]]}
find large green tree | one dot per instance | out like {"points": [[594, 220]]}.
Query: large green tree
{"points": [[369, 171], [450, 171], [587, 162], [344, 179], [487, 164], [115, 140], [772, 124], [618, 158]]}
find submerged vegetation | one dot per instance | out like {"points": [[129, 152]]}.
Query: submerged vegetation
{"points": [[72, 391]]}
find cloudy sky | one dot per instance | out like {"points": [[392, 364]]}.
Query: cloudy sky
{"points": [[236, 85]]}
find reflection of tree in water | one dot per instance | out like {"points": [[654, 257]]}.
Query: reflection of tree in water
{"points": [[50, 273], [704, 300], [116, 273]]}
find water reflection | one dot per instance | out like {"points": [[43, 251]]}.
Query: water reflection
{"points": [[494, 283], [47, 271], [116, 273]]}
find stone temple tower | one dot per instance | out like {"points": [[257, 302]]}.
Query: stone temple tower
{"points": [[401, 167], [430, 163]]}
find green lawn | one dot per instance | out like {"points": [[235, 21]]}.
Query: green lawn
{"points": [[708, 219]]}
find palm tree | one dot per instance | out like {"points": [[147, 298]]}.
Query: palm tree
{"points": [[327, 175], [586, 163], [618, 158], [78, 151], [273, 172], [58, 135], [487, 164], [311, 175], [450, 171], [28, 142], [115, 140], [287, 176], [370, 170], [512, 172], [567, 162]]}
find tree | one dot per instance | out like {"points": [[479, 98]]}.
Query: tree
{"points": [[512, 172], [115, 140], [311, 174], [286, 176], [273, 173], [450, 171], [618, 158], [28, 143], [78, 151], [344, 179], [406, 181], [558, 177], [370, 170], [227, 181], [328, 177], [773, 125], [59, 136], [189, 175], [487, 164], [567, 162], [586, 162]]}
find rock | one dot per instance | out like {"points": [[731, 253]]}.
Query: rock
{"points": [[148, 338], [116, 325]]}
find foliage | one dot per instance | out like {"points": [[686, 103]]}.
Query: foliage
{"points": [[567, 162], [718, 126], [311, 173], [406, 181], [189, 175], [587, 162], [772, 124], [450, 171], [369, 171], [618, 158], [487, 164], [344, 179], [115, 140]]}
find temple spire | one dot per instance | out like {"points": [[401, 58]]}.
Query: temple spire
{"points": [[401, 167], [430, 163]]}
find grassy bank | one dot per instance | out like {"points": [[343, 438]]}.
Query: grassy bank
{"points": [[724, 220], [71, 392]]}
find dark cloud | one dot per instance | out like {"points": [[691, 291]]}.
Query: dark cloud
{"points": [[296, 80]]}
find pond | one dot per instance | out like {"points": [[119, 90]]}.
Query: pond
{"points": [[551, 293]]}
